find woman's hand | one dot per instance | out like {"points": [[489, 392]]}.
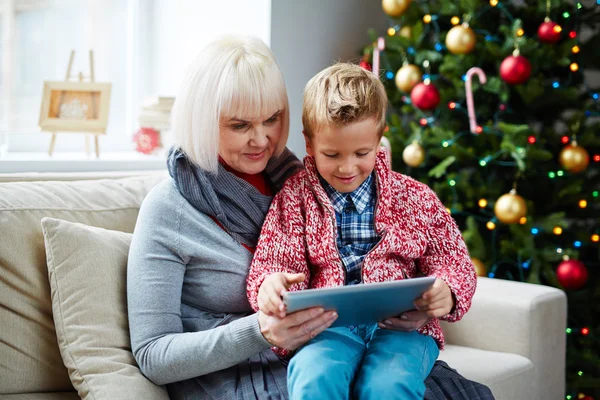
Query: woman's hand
{"points": [[434, 303], [270, 292], [295, 329], [409, 321]]}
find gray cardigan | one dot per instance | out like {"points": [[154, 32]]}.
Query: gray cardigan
{"points": [[186, 289]]}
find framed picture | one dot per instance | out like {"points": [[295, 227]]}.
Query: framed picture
{"points": [[75, 107]]}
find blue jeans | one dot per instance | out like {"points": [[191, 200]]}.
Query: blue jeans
{"points": [[364, 362]]}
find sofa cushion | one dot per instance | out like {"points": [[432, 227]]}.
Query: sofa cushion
{"points": [[87, 268], [41, 396], [30, 360], [509, 376]]}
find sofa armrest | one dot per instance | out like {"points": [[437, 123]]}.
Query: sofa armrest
{"points": [[520, 318]]}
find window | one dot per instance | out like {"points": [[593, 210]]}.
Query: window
{"points": [[140, 46]]}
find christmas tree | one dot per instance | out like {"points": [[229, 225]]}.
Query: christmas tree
{"points": [[490, 107]]}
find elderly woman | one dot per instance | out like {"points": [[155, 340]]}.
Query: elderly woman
{"points": [[191, 325]]}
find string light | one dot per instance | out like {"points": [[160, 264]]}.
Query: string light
{"points": [[386, 129], [445, 143], [455, 20], [575, 49], [555, 84], [574, 67], [490, 225], [595, 238], [452, 182], [448, 210], [493, 3], [427, 18], [452, 105], [582, 203], [520, 32], [560, 173], [572, 34], [577, 243], [523, 220], [564, 139], [580, 373], [438, 47], [531, 139], [559, 250], [595, 193], [423, 121], [569, 330], [391, 31], [535, 231], [566, 14], [389, 74], [557, 29], [585, 331], [551, 175], [502, 107], [479, 129], [482, 203], [557, 230], [596, 157]]}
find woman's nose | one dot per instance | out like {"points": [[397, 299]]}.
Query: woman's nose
{"points": [[260, 138]]}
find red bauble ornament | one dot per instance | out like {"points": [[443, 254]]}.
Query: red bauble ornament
{"points": [[549, 32], [365, 65], [425, 96], [146, 140], [515, 69], [572, 274]]}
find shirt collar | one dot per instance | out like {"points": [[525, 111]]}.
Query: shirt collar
{"points": [[361, 196]]}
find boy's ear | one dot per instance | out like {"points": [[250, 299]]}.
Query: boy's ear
{"points": [[309, 149]]}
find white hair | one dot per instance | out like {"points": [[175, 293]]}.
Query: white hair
{"points": [[232, 77]]}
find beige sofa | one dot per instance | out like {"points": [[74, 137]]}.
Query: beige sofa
{"points": [[63, 328]]}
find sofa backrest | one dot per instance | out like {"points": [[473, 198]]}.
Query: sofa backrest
{"points": [[30, 360]]}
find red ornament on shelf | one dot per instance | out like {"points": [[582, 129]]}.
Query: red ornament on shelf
{"points": [[365, 65], [549, 32], [572, 274], [146, 140], [425, 96], [515, 69]]}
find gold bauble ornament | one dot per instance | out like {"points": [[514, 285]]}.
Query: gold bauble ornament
{"points": [[510, 207], [395, 8], [407, 77], [480, 269], [574, 158], [460, 39], [405, 31], [413, 155]]}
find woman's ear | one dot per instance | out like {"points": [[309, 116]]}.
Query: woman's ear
{"points": [[309, 149]]}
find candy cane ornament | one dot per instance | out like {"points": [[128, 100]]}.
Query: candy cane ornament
{"points": [[378, 48], [469, 91]]}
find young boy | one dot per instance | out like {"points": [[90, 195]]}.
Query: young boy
{"points": [[348, 219]]}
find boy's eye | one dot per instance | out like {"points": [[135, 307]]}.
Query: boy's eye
{"points": [[362, 154], [330, 155]]}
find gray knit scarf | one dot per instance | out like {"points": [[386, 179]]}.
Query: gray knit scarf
{"points": [[238, 206]]}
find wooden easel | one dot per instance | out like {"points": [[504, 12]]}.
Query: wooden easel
{"points": [[80, 76]]}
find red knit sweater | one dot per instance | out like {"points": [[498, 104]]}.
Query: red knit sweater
{"points": [[418, 237]]}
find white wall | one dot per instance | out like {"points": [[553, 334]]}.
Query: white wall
{"points": [[187, 25], [307, 36]]}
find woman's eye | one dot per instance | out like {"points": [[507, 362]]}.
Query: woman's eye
{"points": [[271, 120], [239, 127]]}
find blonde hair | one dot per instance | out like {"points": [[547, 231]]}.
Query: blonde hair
{"points": [[342, 94], [232, 77]]}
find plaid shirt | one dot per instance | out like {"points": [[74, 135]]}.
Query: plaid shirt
{"points": [[355, 218]]}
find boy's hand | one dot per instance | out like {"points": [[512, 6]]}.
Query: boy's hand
{"points": [[271, 290], [437, 301]]}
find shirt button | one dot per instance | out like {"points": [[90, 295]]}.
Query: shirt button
{"points": [[347, 211]]}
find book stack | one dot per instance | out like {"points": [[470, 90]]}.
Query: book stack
{"points": [[156, 113]]}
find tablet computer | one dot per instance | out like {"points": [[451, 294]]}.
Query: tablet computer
{"points": [[364, 303]]}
